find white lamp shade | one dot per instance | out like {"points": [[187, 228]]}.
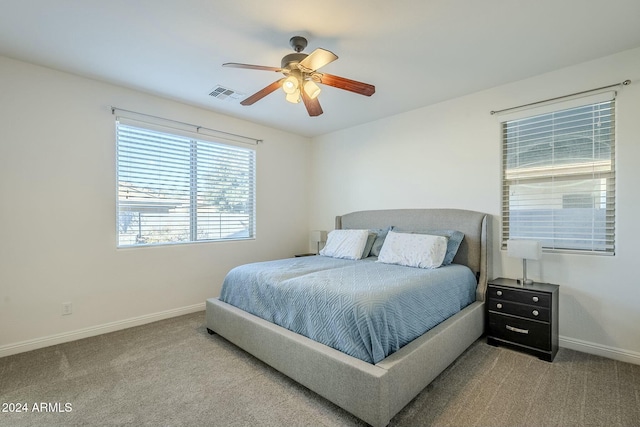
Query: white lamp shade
{"points": [[312, 89], [318, 236], [294, 97], [524, 249], [290, 84]]}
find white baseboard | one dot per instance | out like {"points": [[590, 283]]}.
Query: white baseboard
{"points": [[21, 347], [600, 350], [34, 344]]}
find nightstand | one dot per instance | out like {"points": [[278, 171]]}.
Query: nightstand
{"points": [[524, 317], [301, 255]]}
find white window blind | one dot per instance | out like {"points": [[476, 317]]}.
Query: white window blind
{"points": [[559, 179], [174, 189]]}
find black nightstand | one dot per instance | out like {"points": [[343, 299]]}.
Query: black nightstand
{"points": [[523, 316]]}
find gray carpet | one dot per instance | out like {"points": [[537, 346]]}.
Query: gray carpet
{"points": [[172, 373]]}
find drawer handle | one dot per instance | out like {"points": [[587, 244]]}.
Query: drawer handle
{"points": [[535, 312], [535, 299], [518, 330], [499, 293], [498, 305]]}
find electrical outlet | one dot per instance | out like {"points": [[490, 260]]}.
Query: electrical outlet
{"points": [[66, 308]]}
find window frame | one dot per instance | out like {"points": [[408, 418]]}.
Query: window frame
{"points": [[592, 170], [198, 144]]}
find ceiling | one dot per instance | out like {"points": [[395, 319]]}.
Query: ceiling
{"points": [[416, 52]]}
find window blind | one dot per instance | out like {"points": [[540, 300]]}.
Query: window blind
{"points": [[559, 179], [176, 189]]}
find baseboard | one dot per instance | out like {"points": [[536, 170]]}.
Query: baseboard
{"points": [[600, 350], [23, 346]]}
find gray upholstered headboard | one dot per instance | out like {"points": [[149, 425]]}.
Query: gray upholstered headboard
{"points": [[473, 251]]}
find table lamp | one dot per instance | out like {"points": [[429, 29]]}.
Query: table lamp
{"points": [[524, 249], [318, 236]]}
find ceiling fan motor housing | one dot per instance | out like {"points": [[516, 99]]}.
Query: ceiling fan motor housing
{"points": [[291, 59]]}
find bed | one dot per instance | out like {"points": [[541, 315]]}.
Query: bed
{"points": [[374, 391]]}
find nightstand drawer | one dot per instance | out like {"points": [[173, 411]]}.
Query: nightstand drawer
{"points": [[521, 331], [520, 295], [516, 309]]}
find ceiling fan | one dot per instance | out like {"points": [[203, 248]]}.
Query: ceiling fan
{"points": [[301, 77]]}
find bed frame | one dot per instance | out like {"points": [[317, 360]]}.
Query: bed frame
{"points": [[373, 393]]}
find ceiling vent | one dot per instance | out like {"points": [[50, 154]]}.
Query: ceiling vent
{"points": [[225, 94]]}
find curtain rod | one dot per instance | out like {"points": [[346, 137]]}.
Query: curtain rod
{"points": [[197, 127], [624, 83]]}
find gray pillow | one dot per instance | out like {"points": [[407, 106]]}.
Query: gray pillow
{"points": [[367, 247], [381, 234]]}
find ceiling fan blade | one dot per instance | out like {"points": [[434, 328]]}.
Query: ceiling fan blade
{"points": [[346, 84], [316, 59], [262, 93], [251, 67], [313, 105]]}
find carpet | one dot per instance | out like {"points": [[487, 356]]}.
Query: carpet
{"points": [[173, 373]]}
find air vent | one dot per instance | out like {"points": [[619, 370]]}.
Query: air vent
{"points": [[225, 94]]}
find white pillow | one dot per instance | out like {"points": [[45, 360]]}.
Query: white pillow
{"points": [[413, 250], [348, 244]]}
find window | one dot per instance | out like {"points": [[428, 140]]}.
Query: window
{"points": [[177, 189], [559, 179]]}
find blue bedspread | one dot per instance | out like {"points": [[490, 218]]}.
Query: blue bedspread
{"points": [[363, 308]]}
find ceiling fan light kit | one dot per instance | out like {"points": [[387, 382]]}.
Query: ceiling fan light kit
{"points": [[312, 89], [301, 77], [290, 85], [294, 97]]}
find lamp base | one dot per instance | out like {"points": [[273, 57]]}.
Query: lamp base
{"points": [[524, 281]]}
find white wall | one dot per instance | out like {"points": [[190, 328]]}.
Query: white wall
{"points": [[448, 155], [58, 219]]}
